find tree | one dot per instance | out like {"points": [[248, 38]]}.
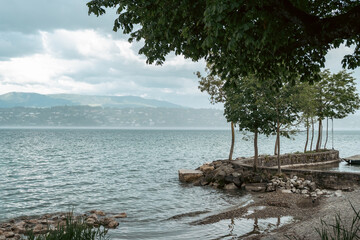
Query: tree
{"points": [[213, 85], [246, 105], [284, 103], [336, 97], [243, 37], [307, 105]]}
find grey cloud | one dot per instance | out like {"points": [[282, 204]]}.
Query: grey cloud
{"points": [[31, 16], [15, 44]]}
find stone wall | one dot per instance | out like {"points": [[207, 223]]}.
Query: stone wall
{"points": [[324, 179], [300, 159]]}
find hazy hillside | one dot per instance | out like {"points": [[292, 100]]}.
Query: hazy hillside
{"points": [[16, 99], [85, 116]]}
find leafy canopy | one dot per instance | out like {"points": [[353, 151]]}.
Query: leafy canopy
{"points": [[244, 37]]}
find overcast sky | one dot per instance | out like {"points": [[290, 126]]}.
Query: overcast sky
{"points": [[53, 46]]}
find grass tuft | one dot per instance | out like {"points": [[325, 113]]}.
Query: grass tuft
{"points": [[74, 229]]}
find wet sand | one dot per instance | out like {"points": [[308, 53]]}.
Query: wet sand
{"points": [[306, 213]]}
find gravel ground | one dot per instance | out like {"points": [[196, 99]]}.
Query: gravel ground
{"points": [[326, 210], [307, 214]]}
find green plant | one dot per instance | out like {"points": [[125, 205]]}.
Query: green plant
{"points": [[74, 229], [340, 230]]}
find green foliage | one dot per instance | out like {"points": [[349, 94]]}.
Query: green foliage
{"points": [[246, 105], [75, 229], [242, 38], [335, 95], [341, 230]]}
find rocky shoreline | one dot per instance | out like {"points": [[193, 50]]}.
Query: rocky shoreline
{"points": [[18, 227], [224, 174], [274, 196]]}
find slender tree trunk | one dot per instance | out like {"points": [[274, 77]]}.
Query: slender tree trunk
{"points": [[255, 149], [318, 144], [332, 133], [327, 132], [312, 133], [307, 134], [276, 145], [232, 141], [278, 148]]}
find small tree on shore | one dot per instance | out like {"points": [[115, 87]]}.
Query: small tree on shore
{"points": [[283, 101], [213, 85], [246, 105], [336, 97]]}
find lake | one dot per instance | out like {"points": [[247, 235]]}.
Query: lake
{"points": [[132, 171]]}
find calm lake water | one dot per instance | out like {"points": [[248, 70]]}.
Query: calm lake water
{"points": [[132, 171]]}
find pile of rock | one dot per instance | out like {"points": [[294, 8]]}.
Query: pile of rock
{"points": [[222, 174], [294, 185], [14, 228]]}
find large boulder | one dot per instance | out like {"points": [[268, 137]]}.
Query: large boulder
{"points": [[188, 175]]}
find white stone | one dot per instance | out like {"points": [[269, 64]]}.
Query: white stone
{"points": [[286, 191], [338, 193], [304, 191]]}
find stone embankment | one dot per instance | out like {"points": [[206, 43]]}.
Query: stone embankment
{"points": [[15, 228], [228, 175]]}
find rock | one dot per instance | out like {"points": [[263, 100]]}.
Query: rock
{"points": [[113, 224], [203, 182], [304, 191], [206, 168], [312, 186], [229, 179], [338, 193], [230, 186], [286, 191], [98, 212], [187, 175], [109, 222], [237, 181], [236, 174], [313, 194], [319, 193], [90, 221], [93, 216], [9, 234], [39, 228], [255, 187], [270, 187], [295, 178], [307, 182], [2, 237], [32, 221], [120, 215]]}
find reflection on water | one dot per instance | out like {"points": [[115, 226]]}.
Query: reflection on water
{"points": [[240, 228]]}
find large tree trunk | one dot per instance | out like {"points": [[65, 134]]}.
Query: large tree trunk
{"points": [[255, 150], [307, 134], [327, 132], [312, 133], [232, 141], [318, 144], [278, 145]]}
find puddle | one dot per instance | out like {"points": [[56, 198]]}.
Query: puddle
{"points": [[243, 227]]}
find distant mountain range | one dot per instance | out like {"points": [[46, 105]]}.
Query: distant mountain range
{"points": [[35, 100]]}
